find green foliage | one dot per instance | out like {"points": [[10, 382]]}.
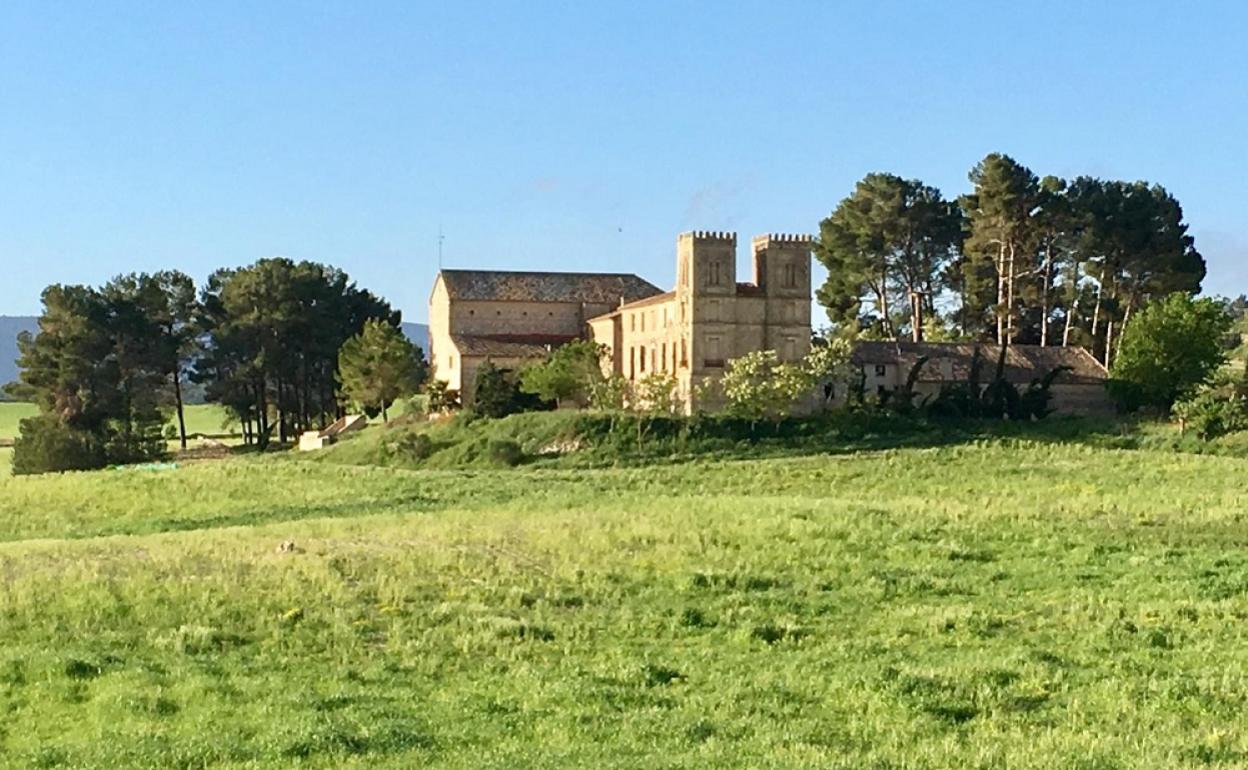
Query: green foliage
{"points": [[98, 370], [890, 241], [439, 397], [656, 394], [498, 393], [48, 445], [1169, 349], [505, 452], [572, 373], [1216, 408], [273, 331], [611, 393], [379, 365], [758, 386]]}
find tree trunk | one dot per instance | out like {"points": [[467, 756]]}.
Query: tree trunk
{"points": [[1009, 305], [1000, 293], [1044, 294], [1070, 314], [177, 397], [1109, 340], [916, 316]]}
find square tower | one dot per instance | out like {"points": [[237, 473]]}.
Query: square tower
{"points": [[706, 263], [782, 265]]}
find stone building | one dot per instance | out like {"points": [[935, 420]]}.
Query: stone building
{"points": [[688, 333], [515, 318], [1079, 390]]}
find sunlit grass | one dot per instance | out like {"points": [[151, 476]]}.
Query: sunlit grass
{"points": [[985, 605]]}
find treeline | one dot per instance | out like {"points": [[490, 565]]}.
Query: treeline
{"points": [[1018, 259], [109, 365]]}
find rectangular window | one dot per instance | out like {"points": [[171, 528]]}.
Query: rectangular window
{"points": [[663, 358], [713, 268], [642, 368], [654, 361], [632, 363], [632, 322], [880, 370], [643, 321]]}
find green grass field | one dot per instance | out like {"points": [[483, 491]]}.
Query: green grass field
{"points": [[993, 604], [207, 419]]}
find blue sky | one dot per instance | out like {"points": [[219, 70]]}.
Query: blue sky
{"points": [[579, 136]]}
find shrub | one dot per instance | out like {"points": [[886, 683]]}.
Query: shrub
{"points": [[46, 445], [498, 394], [413, 445], [504, 452], [1215, 409]]}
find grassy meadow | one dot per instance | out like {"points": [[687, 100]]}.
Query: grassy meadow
{"points": [[988, 604]]}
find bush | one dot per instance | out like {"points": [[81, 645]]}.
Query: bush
{"points": [[413, 445], [46, 445], [498, 394], [1215, 409], [504, 452]]}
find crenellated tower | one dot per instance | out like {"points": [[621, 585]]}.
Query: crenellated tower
{"points": [[706, 263]]}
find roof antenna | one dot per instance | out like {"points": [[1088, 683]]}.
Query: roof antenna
{"points": [[440, 239]]}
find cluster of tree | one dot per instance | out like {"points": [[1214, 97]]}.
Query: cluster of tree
{"points": [[104, 366], [1018, 259], [271, 333], [108, 365]]}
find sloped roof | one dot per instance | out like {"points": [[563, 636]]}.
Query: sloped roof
{"points": [[507, 345], [1023, 363], [515, 286], [653, 299]]}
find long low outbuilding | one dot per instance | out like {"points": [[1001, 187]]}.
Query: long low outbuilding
{"points": [[1080, 389]]}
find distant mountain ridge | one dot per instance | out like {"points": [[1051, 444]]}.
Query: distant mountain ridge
{"points": [[11, 326]]}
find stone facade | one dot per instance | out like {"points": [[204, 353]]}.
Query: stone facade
{"points": [[710, 317], [514, 318], [690, 332], [1078, 390]]}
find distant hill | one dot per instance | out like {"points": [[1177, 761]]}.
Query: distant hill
{"points": [[11, 326], [418, 333]]}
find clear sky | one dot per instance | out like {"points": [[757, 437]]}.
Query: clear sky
{"points": [[576, 136]]}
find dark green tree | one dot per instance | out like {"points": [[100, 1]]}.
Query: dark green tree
{"points": [[889, 243]]}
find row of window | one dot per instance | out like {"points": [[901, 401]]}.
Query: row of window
{"points": [[662, 358]]}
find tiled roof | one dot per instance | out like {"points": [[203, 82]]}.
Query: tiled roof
{"points": [[591, 288], [507, 345], [1023, 363], [651, 300]]}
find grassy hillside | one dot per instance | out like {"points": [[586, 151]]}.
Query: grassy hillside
{"points": [[991, 604]]}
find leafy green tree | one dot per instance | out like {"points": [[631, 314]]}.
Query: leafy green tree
{"points": [[890, 243], [758, 386], [656, 394], [379, 365], [571, 373], [1172, 347], [612, 393]]}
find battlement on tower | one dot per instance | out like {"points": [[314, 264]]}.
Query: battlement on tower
{"points": [[710, 235], [761, 242]]}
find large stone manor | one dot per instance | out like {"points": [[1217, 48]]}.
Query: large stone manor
{"points": [[690, 332]]}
